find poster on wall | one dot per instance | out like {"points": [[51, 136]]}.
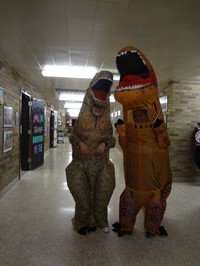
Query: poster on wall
{"points": [[7, 141], [37, 133], [1, 95], [7, 116]]}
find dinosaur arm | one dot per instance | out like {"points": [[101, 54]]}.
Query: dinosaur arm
{"points": [[110, 142], [74, 139], [162, 136], [123, 139], [84, 148]]}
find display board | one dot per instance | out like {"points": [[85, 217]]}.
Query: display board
{"points": [[37, 133]]}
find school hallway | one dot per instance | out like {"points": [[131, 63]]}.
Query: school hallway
{"points": [[36, 229]]}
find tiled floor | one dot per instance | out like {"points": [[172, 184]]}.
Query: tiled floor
{"points": [[35, 224]]}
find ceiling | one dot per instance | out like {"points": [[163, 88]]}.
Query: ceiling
{"points": [[90, 33]]}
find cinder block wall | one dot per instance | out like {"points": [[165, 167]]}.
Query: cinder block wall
{"points": [[182, 115]]}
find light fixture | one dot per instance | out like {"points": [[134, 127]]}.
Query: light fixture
{"points": [[73, 112], [112, 98], [69, 71], [72, 105], [72, 72], [75, 97]]}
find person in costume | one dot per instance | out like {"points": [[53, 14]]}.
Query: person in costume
{"points": [[91, 175], [145, 143]]}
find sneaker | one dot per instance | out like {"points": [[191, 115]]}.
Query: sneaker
{"points": [[105, 229]]}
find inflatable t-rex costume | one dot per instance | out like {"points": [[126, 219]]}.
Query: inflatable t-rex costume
{"points": [[91, 175], [144, 141]]}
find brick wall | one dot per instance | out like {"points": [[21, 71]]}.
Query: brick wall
{"points": [[182, 115], [12, 84]]}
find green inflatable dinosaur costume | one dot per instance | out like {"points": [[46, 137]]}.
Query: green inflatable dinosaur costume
{"points": [[91, 175]]}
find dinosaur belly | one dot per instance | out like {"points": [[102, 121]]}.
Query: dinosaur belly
{"points": [[146, 166]]}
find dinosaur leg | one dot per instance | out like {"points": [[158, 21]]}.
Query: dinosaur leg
{"points": [[104, 186], [128, 212], [78, 185], [154, 213]]}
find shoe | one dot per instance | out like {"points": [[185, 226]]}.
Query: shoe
{"points": [[117, 227], [162, 232], [83, 231], [92, 229], [123, 233], [105, 229], [149, 234]]}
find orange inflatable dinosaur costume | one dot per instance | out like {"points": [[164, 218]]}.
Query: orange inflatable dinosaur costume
{"points": [[144, 140]]}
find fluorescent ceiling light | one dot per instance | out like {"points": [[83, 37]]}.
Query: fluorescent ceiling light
{"points": [[71, 105], [112, 98], [69, 72], [75, 97], [72, 72], [115, 77], [73, 112]]}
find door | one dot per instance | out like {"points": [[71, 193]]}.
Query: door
{"points": [[25, 131]]}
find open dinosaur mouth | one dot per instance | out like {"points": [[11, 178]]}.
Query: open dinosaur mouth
{"points": [[101, 89], [131, 62], [100, 95], [134, 73]]}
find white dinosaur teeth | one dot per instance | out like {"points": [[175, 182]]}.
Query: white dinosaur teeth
{"points": [[142, 59], [132, 51], [134, 87]]}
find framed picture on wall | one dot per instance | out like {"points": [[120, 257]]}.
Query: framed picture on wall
{"points": [[1, 95], [7, 116], [7, 141]]}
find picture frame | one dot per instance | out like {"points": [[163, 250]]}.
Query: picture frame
{"points": [[1, 95], [7, 141], [7, 116], [16, 118]]}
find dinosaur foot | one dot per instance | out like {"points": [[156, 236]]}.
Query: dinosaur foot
{"points": [[118, 229], [86, 230], [161, 232]]}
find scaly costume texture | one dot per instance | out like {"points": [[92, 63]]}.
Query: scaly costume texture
{"points": [[144, 140], [91, 175]]}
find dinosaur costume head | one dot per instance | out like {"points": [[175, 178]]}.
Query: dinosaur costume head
{"points": [[136, 74], [99, 91], [94, 116]]}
